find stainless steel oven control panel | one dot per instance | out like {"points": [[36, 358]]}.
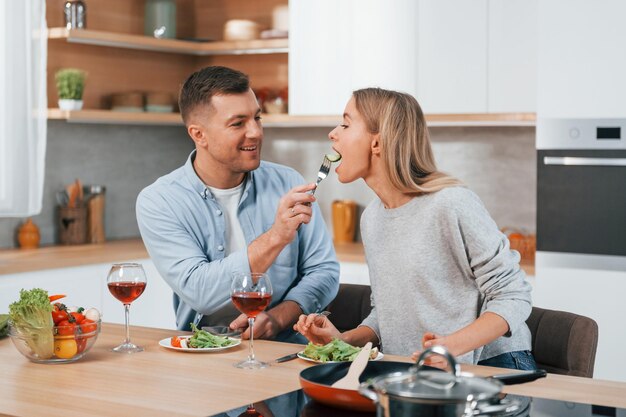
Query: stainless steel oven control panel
{"points": [[581, 133]]}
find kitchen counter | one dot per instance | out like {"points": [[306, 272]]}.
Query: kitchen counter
{"points": [[160, 382], [51, 257]]}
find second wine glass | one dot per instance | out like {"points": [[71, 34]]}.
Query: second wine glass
{"points": [[251, 294], [127, 281]]}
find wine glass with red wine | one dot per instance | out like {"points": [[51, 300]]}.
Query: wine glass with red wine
{"points": [[251, 294], [127, 281]]}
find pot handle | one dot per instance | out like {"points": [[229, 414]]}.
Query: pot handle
{"points": [[365, 389], [505, 406], [455, 368]]}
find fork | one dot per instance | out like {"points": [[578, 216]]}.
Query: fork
{"points": [[323, 173]]}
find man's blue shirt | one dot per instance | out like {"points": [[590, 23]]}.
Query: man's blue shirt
{"points": [[183, 228]]}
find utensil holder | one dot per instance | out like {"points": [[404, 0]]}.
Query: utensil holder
{"points": [[72, 225], [95, 213]]}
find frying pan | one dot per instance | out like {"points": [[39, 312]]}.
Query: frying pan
{"points": [[316, 382]]}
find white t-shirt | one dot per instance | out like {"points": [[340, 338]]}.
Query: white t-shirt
{"points": [[229, 200]]}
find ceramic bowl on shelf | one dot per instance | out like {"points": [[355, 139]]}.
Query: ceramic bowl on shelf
{"points": [[62, 344], [241, 30]]}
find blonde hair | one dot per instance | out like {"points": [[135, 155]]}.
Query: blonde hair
{"points": [[405, 144]]}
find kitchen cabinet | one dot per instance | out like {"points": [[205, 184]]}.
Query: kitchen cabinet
{"points": [[477, 57], [581, 59], [452, 56], [456, 57], [512, 56], [334, 48], [80, 284], [119, 59], [86, 286], [339, 46]]}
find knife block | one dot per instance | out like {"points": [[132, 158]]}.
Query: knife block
{"points": [[72, 225]]}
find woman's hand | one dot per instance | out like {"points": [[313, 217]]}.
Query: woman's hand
{"points": [[428, 340], [318, 329]]}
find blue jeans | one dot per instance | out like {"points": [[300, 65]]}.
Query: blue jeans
{"points": [[521, 359]]}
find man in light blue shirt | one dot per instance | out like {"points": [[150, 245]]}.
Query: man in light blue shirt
{"points": [[226, 211]]}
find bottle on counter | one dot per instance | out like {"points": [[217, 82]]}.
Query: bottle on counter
{"points": [[95, 213]]}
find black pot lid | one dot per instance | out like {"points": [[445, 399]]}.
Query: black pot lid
{"points": [[436, 386]]}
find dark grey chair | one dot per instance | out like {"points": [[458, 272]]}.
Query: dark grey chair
{"points": [[350, 307], [562, 343]]}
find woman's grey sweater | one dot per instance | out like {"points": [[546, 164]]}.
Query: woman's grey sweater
{"points": [[436, 263]]}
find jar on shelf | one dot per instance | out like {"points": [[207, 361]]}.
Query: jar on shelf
{"points": [[75, 14], [160, 18]]}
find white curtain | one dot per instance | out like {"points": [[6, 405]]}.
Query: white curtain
{"points": [[23, 106]]}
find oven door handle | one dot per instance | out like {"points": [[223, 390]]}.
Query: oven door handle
{"points": [[582, 161]]}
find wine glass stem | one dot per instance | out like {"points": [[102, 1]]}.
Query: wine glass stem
{"points": [[126, 317], [251, 342]]}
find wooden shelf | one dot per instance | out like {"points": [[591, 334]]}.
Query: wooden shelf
{"points": [[115, 117], [146, 43], [482, 119], [146, 118], [285, 120]]}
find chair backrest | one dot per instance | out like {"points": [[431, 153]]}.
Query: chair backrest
{"points": [[351, 305], [563, 343]]}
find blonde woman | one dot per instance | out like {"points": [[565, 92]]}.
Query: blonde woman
{"points": [[441, 272]]}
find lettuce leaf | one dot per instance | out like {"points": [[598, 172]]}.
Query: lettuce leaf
{"points": [[31, 316], [334, 351]]}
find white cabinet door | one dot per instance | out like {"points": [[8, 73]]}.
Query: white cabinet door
{"points": [[452, 56], [582, 59], [319, 56], [337, 46], [85, 286], [512, 56]]}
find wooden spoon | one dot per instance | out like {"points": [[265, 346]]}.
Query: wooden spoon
{"points": [[351, 380]]}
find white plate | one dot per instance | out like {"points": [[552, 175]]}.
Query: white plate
{"points": [[301, 356], [167, 343]]}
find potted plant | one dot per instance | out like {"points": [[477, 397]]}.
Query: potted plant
{"points": [[70, 85]]}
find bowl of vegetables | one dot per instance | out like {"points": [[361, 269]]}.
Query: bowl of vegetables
{"points": [[47, 332]]}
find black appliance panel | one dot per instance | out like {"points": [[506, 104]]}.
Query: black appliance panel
{"points": [[581, 208]]}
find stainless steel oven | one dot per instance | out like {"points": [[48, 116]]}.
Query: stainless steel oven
{"points": [[581, 192]]}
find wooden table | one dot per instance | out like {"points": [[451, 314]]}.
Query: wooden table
{"points": [[160, 382]]}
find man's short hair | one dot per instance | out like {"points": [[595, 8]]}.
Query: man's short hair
{"points": [[208, 82]]}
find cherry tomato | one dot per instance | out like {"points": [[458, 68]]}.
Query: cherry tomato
{"points": [[78, 317], [59, 313], [81, 342], [175, 341], [65, 328], [65, 348], [88, 326]]}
